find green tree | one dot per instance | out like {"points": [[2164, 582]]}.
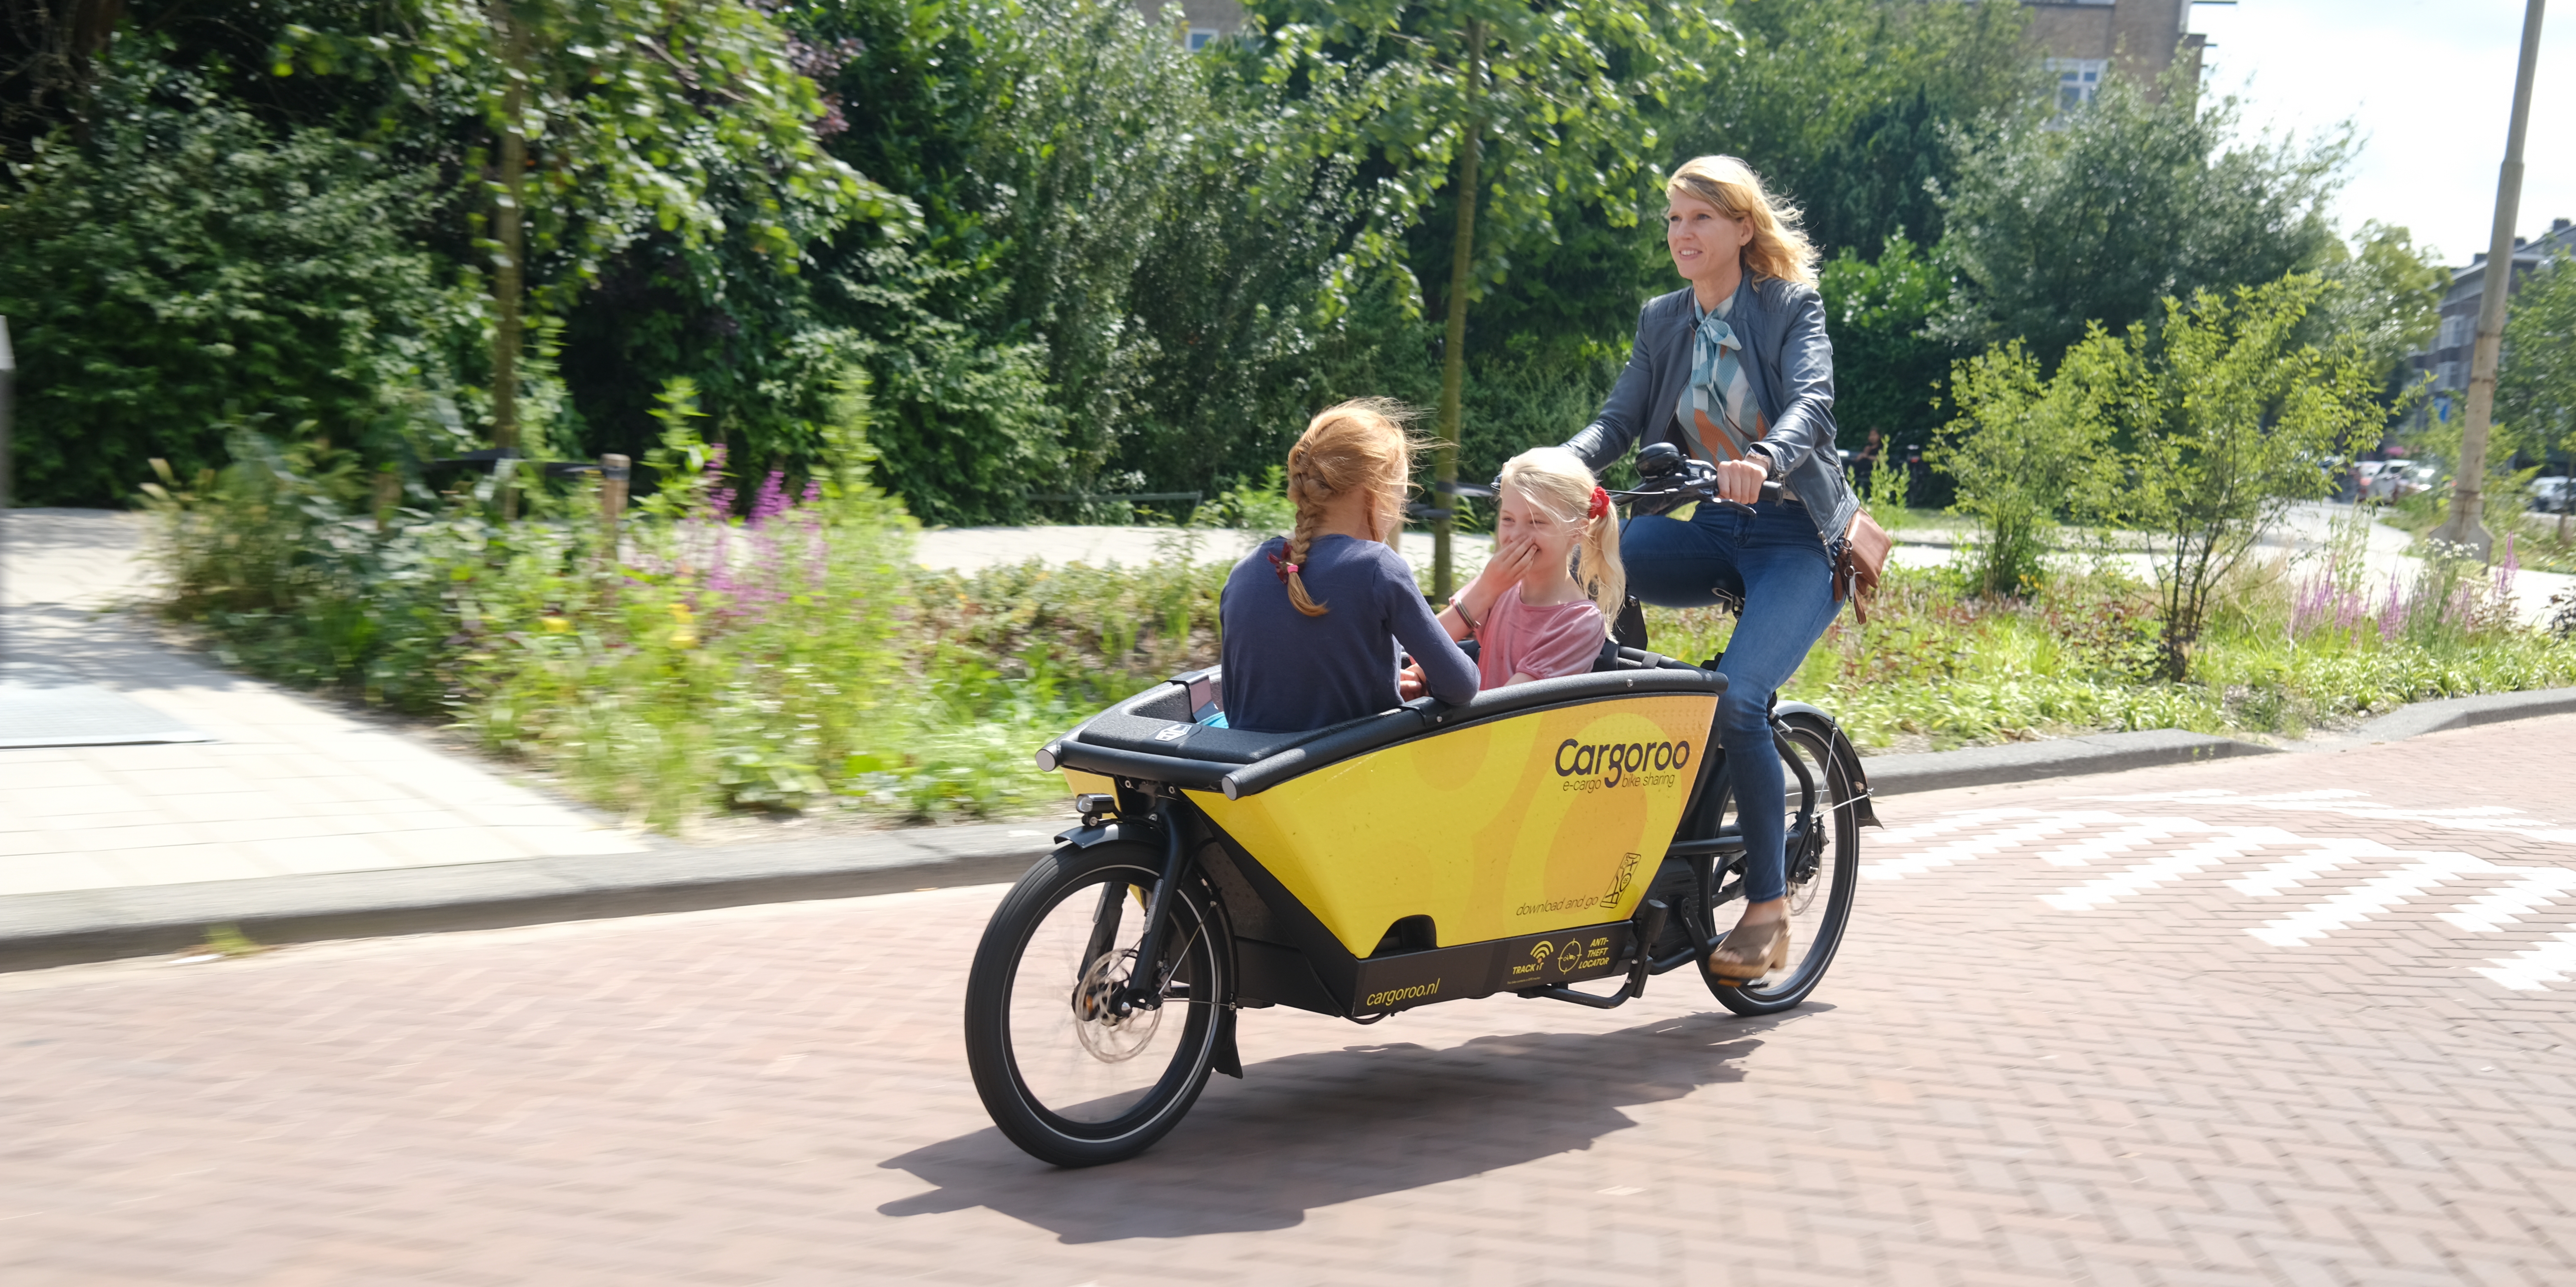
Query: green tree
{"points": [[192, 270], [2382, 295], [1509, 107], [1852, 108], [2229, 420], [1119, 262], [2536, 386], [607, 120], [2027, 451], [1888, 365], [2098, 214]]}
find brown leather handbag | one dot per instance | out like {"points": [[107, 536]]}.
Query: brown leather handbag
{"points": [[1864, 558]]}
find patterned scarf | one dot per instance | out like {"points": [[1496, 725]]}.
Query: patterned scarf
{"points": [[1720, 394]]}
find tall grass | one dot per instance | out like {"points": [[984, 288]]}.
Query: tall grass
{"points": [[2283, 654], [795, 659], [798, 659]]}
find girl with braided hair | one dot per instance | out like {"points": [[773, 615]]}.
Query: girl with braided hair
{"points": [[1317, 622]]}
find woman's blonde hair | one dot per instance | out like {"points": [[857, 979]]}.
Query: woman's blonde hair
{"points": [[1359, 444], [1554, 480], [1779, 248]]}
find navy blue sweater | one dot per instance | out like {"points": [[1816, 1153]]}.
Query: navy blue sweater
{"points": [[1286, 672]]}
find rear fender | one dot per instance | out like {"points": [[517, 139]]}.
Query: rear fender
{"points": [[1845, 755]]}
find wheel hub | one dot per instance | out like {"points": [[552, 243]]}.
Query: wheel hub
{"points": [[1106, 1033]]}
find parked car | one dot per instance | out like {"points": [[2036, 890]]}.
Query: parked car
{"points": [[2391, 480], [2550, 495]]}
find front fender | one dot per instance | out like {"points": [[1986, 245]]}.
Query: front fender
{"points": [[1845, 755], [1144, 833]]}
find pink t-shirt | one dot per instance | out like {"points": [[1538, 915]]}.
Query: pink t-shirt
{"points": [[1542, 643]]}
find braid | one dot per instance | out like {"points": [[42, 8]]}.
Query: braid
{"points": [[1356, 446], [1308, 494]]}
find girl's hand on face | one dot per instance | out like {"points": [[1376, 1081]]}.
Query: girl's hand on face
{"points": [[1512, 560]]}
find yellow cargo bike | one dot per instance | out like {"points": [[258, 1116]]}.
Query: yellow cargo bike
{"points": [[1537, 837]]}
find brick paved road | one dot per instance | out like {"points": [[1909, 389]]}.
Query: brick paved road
{"points": [[2219, 1026]]}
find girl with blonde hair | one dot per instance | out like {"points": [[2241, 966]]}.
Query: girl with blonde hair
{"points": [[1317, 622], [1735, 370], [1541, 607]]}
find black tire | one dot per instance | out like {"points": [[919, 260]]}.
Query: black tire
{"points": [[1075, 1090], [1820, 904]]}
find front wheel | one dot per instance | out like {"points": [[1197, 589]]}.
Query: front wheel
{"points": [[1823, 870], [1070, 1075]]}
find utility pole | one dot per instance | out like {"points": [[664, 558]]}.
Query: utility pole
{"points": [[2469, 473]]}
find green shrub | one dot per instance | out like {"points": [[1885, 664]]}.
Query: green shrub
{"points": [[191, 268]]}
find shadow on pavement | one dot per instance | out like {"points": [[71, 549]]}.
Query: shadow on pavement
{"points": [[1326, 1127]]}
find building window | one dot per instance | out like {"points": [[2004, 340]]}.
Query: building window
{"points": [[2077, 80], [1200, 36]]}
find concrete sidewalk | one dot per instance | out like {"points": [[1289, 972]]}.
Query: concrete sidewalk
{"points": [[288, 787]]}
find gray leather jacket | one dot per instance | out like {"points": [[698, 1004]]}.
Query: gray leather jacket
{"points": [[1788, 362]]}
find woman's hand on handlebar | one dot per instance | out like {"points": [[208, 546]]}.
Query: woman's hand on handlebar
{"points": [[1740, 481], [1409, 682]]}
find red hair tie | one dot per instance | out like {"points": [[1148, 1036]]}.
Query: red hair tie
{"points": [[1285, 569], [1600, 503]]}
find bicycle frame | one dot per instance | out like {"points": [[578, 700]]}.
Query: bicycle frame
{"points": [[1197, 852]]}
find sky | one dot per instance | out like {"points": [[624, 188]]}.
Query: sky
{"points": [[2429, 83]]}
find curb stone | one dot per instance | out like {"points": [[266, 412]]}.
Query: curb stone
{"points": [[2056, 757], [42, 930]]}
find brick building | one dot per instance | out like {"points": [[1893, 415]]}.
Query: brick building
{"points": [[2083, 40], [1208, 19], [2087, 40], [2446, 359]]}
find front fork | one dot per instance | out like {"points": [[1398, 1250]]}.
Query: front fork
{"points": [[1144, 986]]}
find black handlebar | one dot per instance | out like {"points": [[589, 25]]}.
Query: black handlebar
{"points": [[1668, 480]]}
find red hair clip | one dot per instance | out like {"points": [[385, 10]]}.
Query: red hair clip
{"points": [[1285, 569], [1600, 503]]}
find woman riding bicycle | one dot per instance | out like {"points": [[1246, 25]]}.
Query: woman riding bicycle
{"points": [[1735, 369]]}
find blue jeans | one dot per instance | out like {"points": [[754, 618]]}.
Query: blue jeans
{"points": [[1774, 561]]}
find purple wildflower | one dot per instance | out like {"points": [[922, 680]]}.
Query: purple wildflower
{"points": [[2392, 619], [772, 500]]}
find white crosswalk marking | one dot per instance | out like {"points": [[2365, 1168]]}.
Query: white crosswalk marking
{"points": [[2352, 804], [2514, 901], [2043, 826], [2354, 878], [2168, 867], [2370, 897], [2529, 971], [2329, 854]]}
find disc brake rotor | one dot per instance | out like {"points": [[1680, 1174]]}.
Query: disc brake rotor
{"points": [[1110, 1037]]}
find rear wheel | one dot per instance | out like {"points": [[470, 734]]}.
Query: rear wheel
{"points": [[1823, 870], [1066, 1075]]}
